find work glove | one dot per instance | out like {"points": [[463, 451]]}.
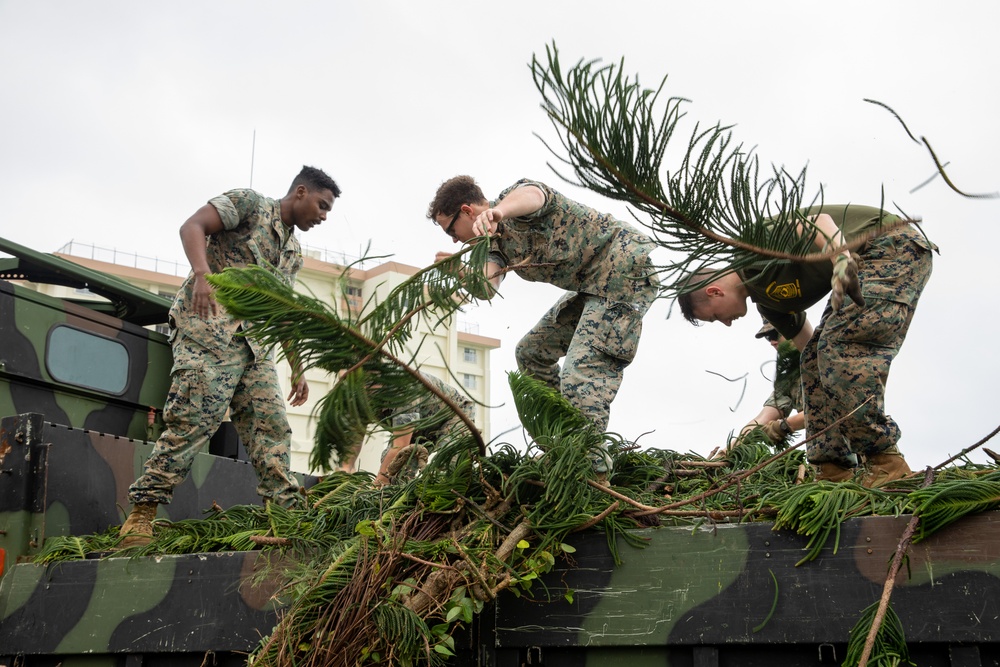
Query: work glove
{"points": [[777, 430], [845, 281]]}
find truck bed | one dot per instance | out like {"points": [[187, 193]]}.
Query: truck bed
{"points": [[716, 596]]}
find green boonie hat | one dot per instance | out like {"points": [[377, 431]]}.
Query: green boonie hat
{"points": [[765, 330]]}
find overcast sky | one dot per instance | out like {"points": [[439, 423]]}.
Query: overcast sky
{"points": [[119, 119]]}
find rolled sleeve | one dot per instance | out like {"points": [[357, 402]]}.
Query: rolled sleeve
{"points": [[227, 211], [405, 418]]}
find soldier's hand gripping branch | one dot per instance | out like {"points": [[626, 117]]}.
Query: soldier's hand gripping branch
{"points": [[845, 282]]}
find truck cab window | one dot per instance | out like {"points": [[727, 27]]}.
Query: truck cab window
{"points": [[87, 360]]}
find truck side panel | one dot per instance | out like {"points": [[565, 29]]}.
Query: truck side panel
{"points": [[59, 481], [729, 596], [79, 367]]}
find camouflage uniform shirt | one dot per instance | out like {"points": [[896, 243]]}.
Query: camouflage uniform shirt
{"points": [[431, 406], [575, 247], [595, 327], [437, 422], [254, 234]]}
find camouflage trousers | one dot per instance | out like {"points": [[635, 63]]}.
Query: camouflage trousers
{"points": [[204, 384], [598, 339], [846, 362]]}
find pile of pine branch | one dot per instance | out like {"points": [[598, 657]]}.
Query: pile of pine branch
{"points": [[388, 574]]}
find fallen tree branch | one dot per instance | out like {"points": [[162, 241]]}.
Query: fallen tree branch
{"points": [[969, 449], [760, 466], [442, 566], [597, 519], [890, 581]]}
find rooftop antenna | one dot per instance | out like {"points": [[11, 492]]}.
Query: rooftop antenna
{"points": [[253, 148]]}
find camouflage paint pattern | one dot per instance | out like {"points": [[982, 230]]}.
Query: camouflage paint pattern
{"points": [[732, 595], [154, 606], [60, 481], [68, 452], [728, 595], [66, 463], [205, 384], [848, 358], [28, 322]]}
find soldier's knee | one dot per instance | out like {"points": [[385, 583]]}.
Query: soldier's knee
{"points": [[539, 352], [526, 354]]}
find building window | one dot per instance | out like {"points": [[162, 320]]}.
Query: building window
{"points": [[470, 355], [352, 294], [87, 360], [468, 381]]}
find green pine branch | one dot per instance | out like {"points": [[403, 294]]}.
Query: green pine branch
{"points": [[941, 504], [364, 349], [718, 206]]}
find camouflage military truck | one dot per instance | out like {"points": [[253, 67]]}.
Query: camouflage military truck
{"points": [[81, 384]]}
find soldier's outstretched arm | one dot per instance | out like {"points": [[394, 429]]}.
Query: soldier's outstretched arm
{"points": [[205, 222], [520, 201]]}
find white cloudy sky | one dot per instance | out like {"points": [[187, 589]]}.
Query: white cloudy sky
{"points": [[120, 118]]}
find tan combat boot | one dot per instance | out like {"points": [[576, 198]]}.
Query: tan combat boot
{"points": [[137, 530], [884, 468], [831, 472]]}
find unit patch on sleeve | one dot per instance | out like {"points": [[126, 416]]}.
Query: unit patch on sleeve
{"points": [[784, 291]]}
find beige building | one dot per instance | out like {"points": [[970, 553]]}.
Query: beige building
{"points": [[453, 351]]}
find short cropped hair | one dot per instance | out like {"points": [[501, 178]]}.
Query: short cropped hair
{"points": [[693, 293], [315, 179], [452, 194]]}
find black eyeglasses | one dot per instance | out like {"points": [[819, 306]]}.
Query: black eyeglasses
{"points": [[772, 336], [449, 230]]}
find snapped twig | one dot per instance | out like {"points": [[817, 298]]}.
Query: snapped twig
{"points": [[969, 449]]}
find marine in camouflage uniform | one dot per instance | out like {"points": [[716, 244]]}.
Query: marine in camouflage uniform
{"points": [[602, 262], [845, 361], [786, 396], [216, 369], [781, 414], [438, 421]]}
